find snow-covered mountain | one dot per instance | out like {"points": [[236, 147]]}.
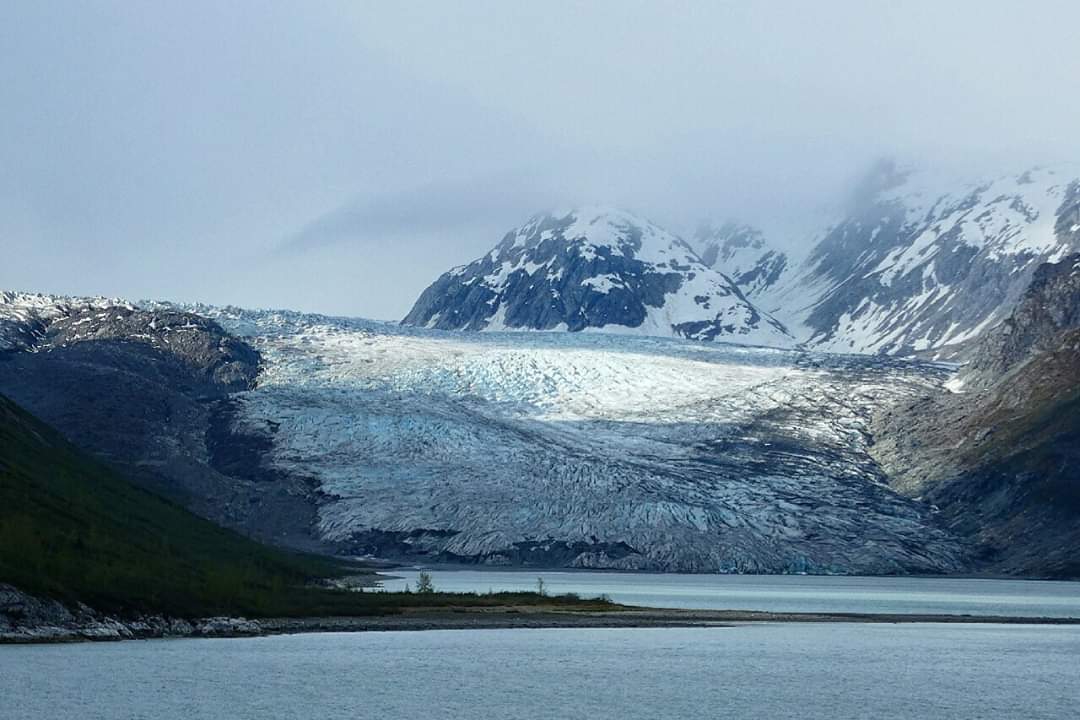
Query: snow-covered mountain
{"points": [[595, 269], [742, 253], [915, 262], [591, 449], [918, 262]]}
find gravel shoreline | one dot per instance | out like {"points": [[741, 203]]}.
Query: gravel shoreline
{"points": [[630, 618], [473, 619]]}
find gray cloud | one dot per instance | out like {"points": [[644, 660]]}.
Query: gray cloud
{"points": [[337, 156], [444, 207]]}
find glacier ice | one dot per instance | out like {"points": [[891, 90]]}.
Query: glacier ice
{"points": [[588, 450]]}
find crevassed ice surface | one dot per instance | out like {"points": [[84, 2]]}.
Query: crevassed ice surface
{"points": [[587, 450]]}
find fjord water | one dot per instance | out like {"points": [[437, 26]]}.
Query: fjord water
{"points": [[780, 593], [834, 671]]}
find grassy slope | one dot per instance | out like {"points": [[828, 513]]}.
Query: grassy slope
{"points": [[72, 529]]}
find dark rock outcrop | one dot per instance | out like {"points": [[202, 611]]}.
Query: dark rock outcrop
{"points": [[1049, 307], [148, 391], [28, 619]]}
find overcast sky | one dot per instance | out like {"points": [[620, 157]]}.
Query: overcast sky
{"points": [[336, 157]]}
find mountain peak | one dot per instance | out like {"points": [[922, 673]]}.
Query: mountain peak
{"points": [[741, 252], [599, 226], [928, 260], [720, 243], [596, 268]]}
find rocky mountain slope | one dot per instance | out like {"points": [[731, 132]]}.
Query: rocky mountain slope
{"points": [[1001, 457], [917, 263], [148, 391], [594, 269], [1049, 308], [742, 253]]}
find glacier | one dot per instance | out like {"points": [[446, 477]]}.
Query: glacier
{"points": [[587, 450]]}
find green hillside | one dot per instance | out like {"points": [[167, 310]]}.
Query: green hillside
{"points": [[73, 529]]}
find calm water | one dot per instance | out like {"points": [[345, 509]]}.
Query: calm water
{"points": [[762, 671], [791, 593]]}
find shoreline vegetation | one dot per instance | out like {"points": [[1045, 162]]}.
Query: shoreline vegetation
{"points": [[450, 611]]}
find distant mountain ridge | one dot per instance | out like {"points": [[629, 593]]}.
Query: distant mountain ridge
{"points": [[595, 269], [742, 253], [919, 263], [914, 263]]}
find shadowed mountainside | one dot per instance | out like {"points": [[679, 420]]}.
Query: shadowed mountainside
{"points": [[148, 391], [72, 529], [1001, 459]]}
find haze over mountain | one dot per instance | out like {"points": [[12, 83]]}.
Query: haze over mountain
{"points": [[338, 157]]}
